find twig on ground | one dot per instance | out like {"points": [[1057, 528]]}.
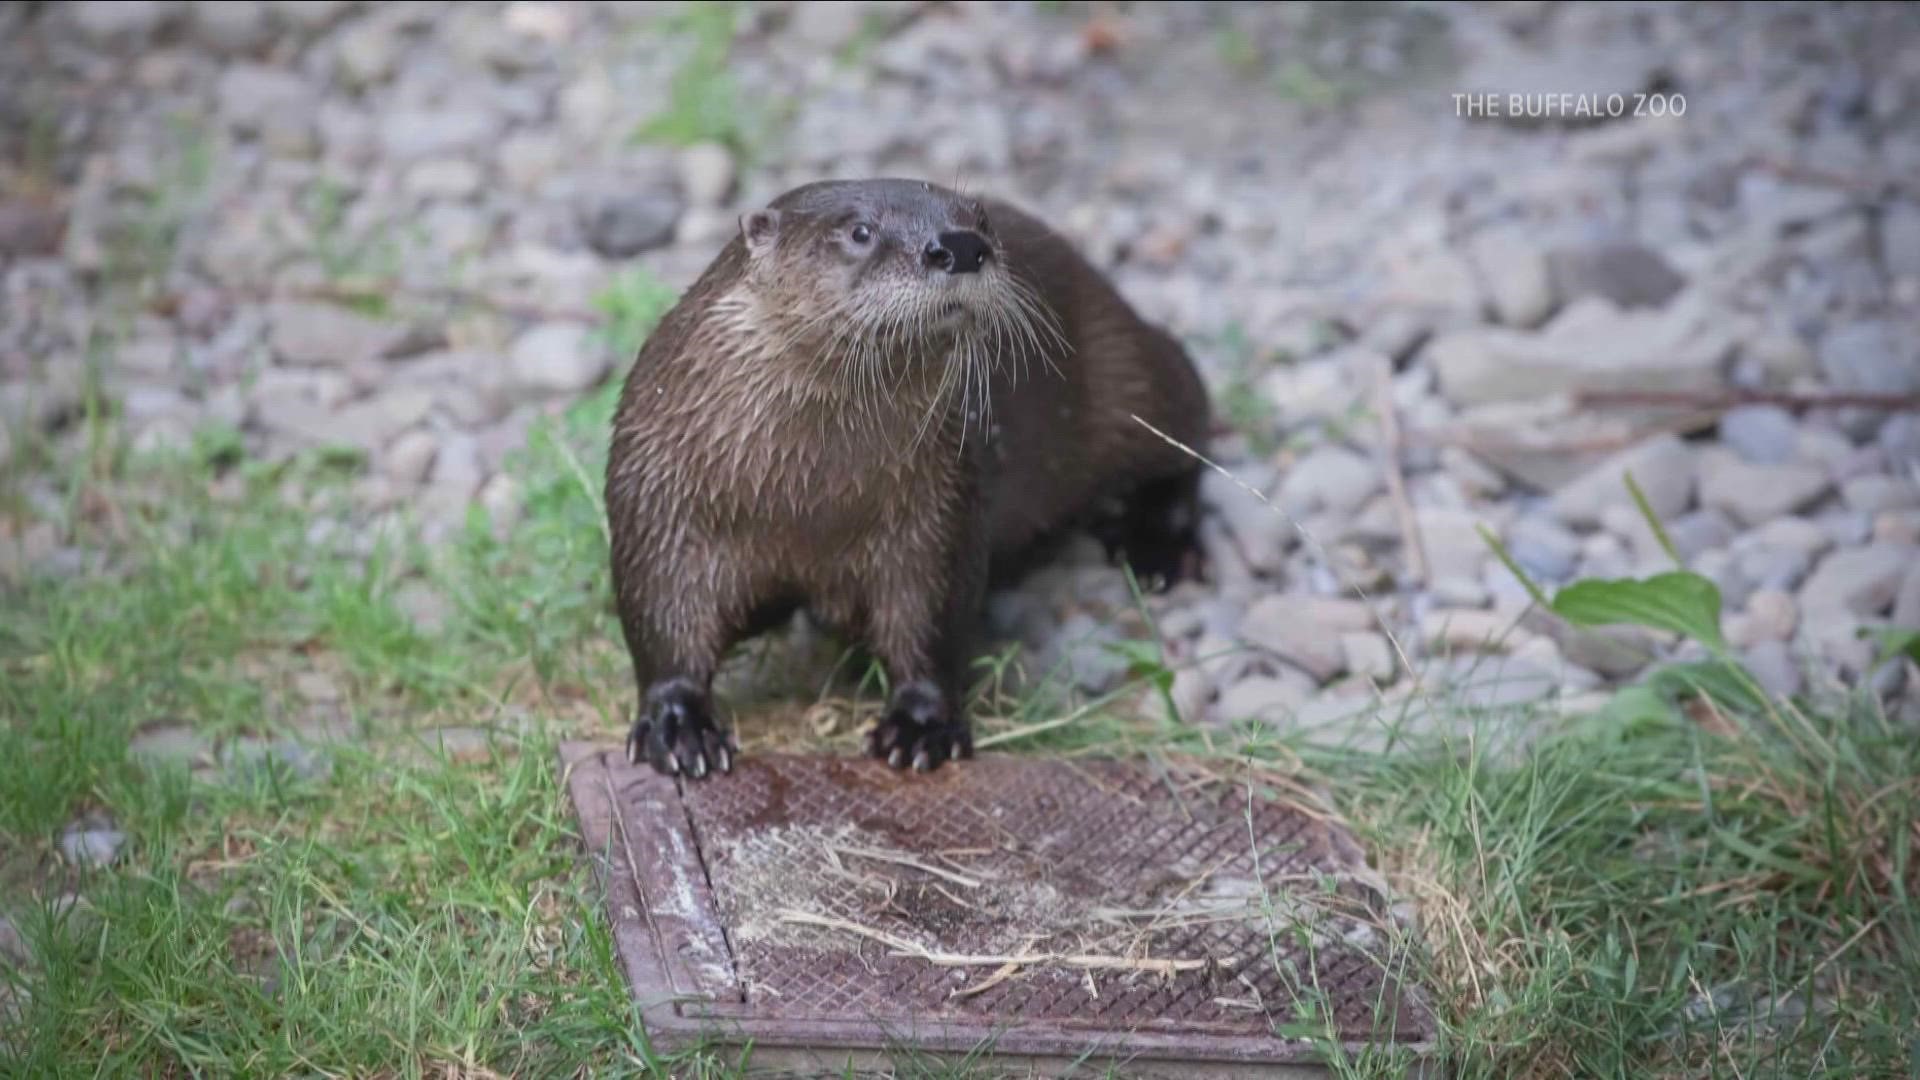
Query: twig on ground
{"points": [[1390, 447], [1720, 400], [900, 858], [1087, 961]]}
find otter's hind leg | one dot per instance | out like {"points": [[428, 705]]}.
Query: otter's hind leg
{"points": [[1155, 528]]}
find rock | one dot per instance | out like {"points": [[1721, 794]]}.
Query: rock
{"points": [[408, 135], [1304, 631], [558, 358], [13, 950], [170, 745], [1454, 630], [1329, 478], [30, 227], [1260, 697], [1625, 275], [1192, 691], [1590, 346], [1776, 205], [1513, 271], [1874, 494], [443, 178], [316, 688], [461, 745], [1762, 434], [1459, 592], [255, 97], [1543, 548], [1900, 240], [230, 28], [500, 496], [1772, 567], [91, 847], [1871, 357], [1755, 494], [409, 458], [706, 173], [118, 22], [1772, 615], [1795, 533], [1438, 280], [1368, 654], [827, 28], [1663, 467], [527, 158], [255, 761], [457, 474], [1083, 650], [1861, 582], [1454, 546], [308, 15], [309, 334], [423, 605], [1773, 666], [367, 52], [1906, 603], [621, 225], [1260, 534]]}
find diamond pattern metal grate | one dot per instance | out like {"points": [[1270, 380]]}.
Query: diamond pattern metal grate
{"points": [[833, 905]]}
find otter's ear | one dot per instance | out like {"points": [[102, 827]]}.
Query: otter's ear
{"points": [[760, 228]]}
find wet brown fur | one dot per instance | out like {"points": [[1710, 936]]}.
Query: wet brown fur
{"points": [[759, 464]]}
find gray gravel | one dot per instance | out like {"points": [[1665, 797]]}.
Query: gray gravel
{"points": [[1764, 241]]}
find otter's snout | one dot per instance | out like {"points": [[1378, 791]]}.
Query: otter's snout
{"points": [[961, 252]]}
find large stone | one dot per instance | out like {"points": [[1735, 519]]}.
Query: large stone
{"points": [[229, 27], [1470, 630], [1513, 271], [1762, 434], [706, 173], [1590, 346], [308, 333], [620, 224], [1304, 631], [1329, 478], [1861, 582], [254, 97], [118, 22], [1452, 541], [1900, 240], [408, 135], [1369, 654], [1626, 275], [91, 846], [1261, 697], [559, 358], [1755, 494], [1663, 467], [1872, 357]]}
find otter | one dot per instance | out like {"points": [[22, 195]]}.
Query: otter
{"points": [[878, 390]]}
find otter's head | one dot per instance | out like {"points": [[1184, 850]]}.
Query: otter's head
{"points": [[884, 273]]}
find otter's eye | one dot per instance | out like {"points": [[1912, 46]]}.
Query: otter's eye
{"points": [[862, 233]]}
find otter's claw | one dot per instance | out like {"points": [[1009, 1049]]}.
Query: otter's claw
{"points": [[919, 731], [675, 733]]}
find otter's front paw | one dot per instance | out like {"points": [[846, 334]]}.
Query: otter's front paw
{"points": [[676, 733], [920, 729]]}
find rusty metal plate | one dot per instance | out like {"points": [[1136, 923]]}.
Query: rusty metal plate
{"points": [[831, 911]]}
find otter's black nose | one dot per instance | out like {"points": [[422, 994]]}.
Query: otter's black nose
{"points": [[961, 252]]}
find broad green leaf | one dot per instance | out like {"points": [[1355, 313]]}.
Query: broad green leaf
{"points": [[1683, 602]]}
